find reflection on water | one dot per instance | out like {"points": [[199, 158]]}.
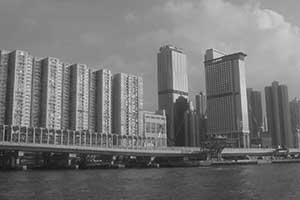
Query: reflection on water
{"points": [[229, 182]]}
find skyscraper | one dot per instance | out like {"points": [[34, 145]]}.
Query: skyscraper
{"points": [[19, 88], [227, 112], [254, 115], [104, 100], [92, 102], [295, 120], [201, 118], [172, 83], [51, 99], [36, 92], [65, 111], [191, 126], [127, 104], [181, 106], [201, 103], [278, 114], [79, 97], [4, 55], [101, 101]]}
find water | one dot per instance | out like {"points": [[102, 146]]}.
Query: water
{"points": [[230, 182]]}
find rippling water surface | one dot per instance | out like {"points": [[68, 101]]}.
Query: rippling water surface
{"points": [[230, 182]]}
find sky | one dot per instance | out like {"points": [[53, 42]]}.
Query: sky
{"points": [[125, 36]]}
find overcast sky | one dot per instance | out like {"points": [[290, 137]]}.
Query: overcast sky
{"points": [[125, 35]]}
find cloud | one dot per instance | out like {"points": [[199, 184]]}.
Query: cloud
{"points": [[271, 42], [92, 38], [126, 38], [131, 18]]}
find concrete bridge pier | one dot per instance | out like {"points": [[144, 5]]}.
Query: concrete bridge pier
{"points": [[71, 161], [12, 160]]}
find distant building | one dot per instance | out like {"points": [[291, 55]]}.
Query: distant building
{"points": [[79, 97], [201, 104], [227, 111], [127, 104], [172, 83], [266, 140], [295, 121], [18, 98], [4, 56], [278, 115], [181, 106], [191, 126], [155, 126], [254, 115]]}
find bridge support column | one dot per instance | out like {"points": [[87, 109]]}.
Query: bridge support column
{"points": [[71, 160], [12, 160], [113, 159]]}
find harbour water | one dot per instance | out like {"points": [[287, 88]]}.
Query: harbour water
{"points": [[277, 181]]}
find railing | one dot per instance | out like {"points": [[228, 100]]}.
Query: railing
{"points": [[251, 150], [46, 137]]}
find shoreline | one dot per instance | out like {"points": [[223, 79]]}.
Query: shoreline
{"points": [[186, 164]]}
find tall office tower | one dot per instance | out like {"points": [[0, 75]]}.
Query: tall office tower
{"points": [[65, 111], [254, 115], [201, 105], [19, 88], [36, 92], [79, 97], [227, 112], [51, 99], [295, 120], [172, 83], [278, 114], [4, 55], [127, 104], [101, 101]]}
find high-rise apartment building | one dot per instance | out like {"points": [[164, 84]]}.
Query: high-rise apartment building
{"points": [[4, 55], [101, 101], [51, 98], [79, 97], [278, 115], [255, 115], [127, 104], [92, 102], [66, 91], [295, 121], [104, 100], [19, 88], [172, 83], [227, 111], [36, 92]]}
